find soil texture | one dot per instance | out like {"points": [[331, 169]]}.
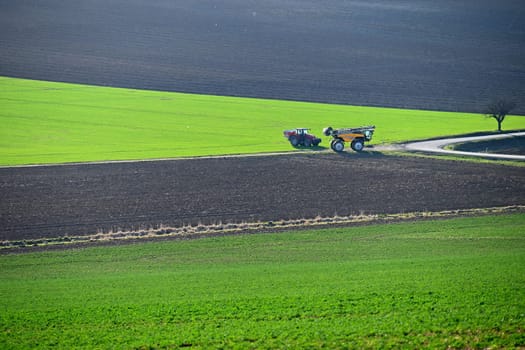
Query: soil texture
{"points": [[54, 201], [444, 55]]}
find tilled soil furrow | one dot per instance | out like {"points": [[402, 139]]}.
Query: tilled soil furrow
{"points": [[419, 55], [39, 202]]}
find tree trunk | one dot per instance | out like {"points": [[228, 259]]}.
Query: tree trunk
{"points": [[500, 120]]}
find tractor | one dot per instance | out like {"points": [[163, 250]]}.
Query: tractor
{"points": [[356, 136], [301, 137]]}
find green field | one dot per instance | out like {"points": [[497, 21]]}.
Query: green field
{"points": [[45, 122], [455, 283]]}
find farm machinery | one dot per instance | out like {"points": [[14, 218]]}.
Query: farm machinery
{"points": [[301, 137], [356, 136]]}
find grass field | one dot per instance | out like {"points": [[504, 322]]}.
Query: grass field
{"points": [[45, 122], [456, 283]]}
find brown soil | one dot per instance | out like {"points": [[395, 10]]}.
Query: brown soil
{"points": [[54, 201]]}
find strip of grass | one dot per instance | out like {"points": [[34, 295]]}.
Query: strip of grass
{"points": [[441, 284], [46, 122]]}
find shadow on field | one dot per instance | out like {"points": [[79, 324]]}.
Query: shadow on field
{"points": [[313, 148], [366, 153]]}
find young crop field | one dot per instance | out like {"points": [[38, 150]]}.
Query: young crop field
{"points": [[455, 283], [47, 122]]}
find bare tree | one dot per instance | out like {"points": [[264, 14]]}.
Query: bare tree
{"points": [[498, 109]]}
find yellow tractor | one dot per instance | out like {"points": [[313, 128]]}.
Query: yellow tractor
{"points": [[356, 136]]}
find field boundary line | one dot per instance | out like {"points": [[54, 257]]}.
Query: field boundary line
{"points": [[222, 229], [126, 161], [428, 146]]}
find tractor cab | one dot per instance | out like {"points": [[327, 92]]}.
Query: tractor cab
{"points": [[302, 131]]}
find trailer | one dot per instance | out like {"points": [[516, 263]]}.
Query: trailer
{"points": [[356, 136]]}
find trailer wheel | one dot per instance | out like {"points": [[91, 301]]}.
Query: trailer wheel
{"points": [[293, 141], [334, 141], [357, 145], [338, 145]]}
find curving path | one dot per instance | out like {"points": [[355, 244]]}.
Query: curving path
{"points": [[438, 146]]}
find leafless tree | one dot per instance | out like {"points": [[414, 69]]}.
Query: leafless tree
{"points": [[498, 109]]}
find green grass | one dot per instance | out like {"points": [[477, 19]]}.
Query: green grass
{"points": [[46, 122], [455, 283]]}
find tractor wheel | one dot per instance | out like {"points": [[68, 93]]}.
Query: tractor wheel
{"points": [[357, 145], [316, 142], [294, 141], [338, 145], [307, 143]]}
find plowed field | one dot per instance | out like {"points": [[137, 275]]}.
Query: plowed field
{"points": [[444, 55], [55, 201]]}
